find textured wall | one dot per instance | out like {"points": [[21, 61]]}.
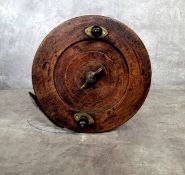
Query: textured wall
{"points": [[159, 23]]}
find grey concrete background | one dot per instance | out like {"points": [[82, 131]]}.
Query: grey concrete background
{"points": [[159, 23], [151, 143]]}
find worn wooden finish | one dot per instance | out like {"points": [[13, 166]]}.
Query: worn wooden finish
{"points": [[67, 54]]}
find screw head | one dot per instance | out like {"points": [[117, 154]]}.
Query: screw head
{"points": [[90, 77], [96, 31]]}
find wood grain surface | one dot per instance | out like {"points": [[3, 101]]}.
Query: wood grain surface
{"points": [[67, 54]]}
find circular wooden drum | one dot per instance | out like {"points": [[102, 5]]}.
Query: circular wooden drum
{"points": [[91, 74]]}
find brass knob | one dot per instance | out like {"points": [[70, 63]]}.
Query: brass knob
{"points": [[83, 120], [96, 31], [91, 76]]}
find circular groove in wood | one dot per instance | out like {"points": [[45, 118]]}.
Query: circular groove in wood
{"points": [[67, 54]]}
